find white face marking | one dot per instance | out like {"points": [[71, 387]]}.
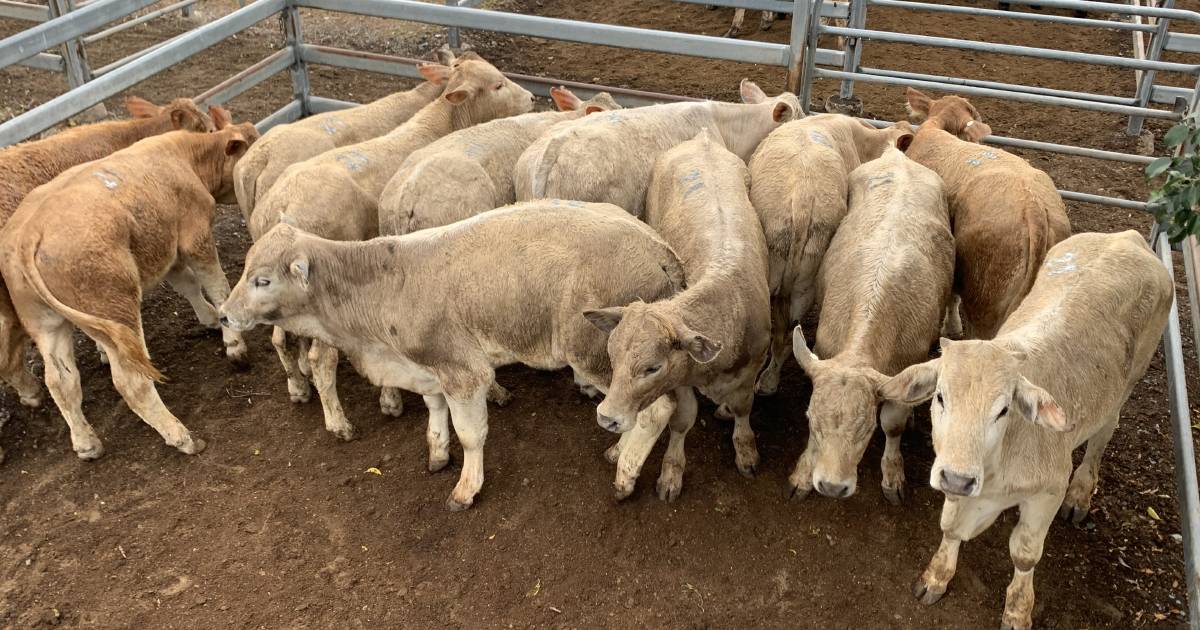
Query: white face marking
{"points": [[1062, 264]]}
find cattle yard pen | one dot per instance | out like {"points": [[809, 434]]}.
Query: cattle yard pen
{"points": [[68, 25]]}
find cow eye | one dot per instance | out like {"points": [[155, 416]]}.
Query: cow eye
{"points": [[652, 370], [261, 282], [1003, 412], [498, 86]]}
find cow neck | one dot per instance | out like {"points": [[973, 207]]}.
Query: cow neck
{"points": [[206, 153], [92, 142], [397, 107], [432, 121], [739, 126], [356, 276]]}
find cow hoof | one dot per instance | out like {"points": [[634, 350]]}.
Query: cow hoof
{"points": [[91, 453], [299, 391], [748, 470], [896, 495], [499, 395], [589, 391], [1015, 625], [731, 33], [239, 360], [767, 388], [723, 413], [32, 402], [345, 433], [927, 595], [1073, 513], [622, 491], [391, 407], [797, 493], [454, 505], [192, 446], [438, 464], [300, 398], [613, 453]]}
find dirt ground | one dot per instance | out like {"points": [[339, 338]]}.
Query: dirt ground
{"points": [[278, 525]]}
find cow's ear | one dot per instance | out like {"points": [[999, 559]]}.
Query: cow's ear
{"points": [[1039, 407], [140, 107], [183, 119], [918, 104], [913, 386], [606, 319], [565, 99], [299, 269], [236, 146], [903, 141], [220, 117], [750, 92], [976, 131], [783, 112], [435, 73], [700, 348], [805, 357], [457, 97]]}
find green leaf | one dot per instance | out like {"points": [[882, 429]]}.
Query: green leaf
{"points": [[1176, 135], [1158, 167]]}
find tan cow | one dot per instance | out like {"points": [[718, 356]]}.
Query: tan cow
{"points": [[1007, 214], [608, 157], [513, 284], [336, 195], [1007, 413], [285, 145], [883, 288], [713, 336], [26, 166], [80, 250], [798, 183], [471, 171]]}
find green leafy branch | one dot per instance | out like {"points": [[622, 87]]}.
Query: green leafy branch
{"points": [[1174, 201]]}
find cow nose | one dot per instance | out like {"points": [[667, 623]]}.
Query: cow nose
{"points": [[224, 320], [607, 422], [961, 485], [833, 490]]}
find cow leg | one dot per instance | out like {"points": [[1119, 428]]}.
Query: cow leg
{"points": [[499, 395], [893, 418], [735, 29], [1025, 548], [781, 346], [1078, 502], [299, 389], [745, 445], [800, 482], [390, 402], [469, 416], [613, 453], [54, 339], [102, 354], [207, 269], [670, 480], [303, 345], [184, 281], [12, 359], [142, 397], [952, 327], [324, 361], [962, 519], [768, 18], [587, 389], [650, 424], [437, 433]]}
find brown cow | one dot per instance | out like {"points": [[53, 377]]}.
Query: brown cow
{"points": [[79, 251], [28, 165], [1006, 213]]}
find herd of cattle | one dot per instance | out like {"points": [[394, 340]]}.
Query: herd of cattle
{"points": [[439, 233]]}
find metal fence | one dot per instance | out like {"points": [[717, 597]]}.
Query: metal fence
{"points": [[801, 58]]}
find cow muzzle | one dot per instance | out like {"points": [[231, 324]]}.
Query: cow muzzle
{"points": [[957, 484]]}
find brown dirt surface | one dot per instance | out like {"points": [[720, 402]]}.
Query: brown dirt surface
{"points": [[278, 524]]}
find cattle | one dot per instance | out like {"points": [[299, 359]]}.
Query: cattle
{"points": [[471, 170], [799, 177], [1008, 412], [80, 250], [739, 19], [336, 195], [608, 157], [882, 288], [26, 166], [712, 336], [514, 283], [285, 145], [1007, 213]]}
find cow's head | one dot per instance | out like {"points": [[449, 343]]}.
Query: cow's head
{"points": [[977, 390], [841, 418], [275, 281], [871, 142], [768, 114], [652, 351], [478, 91], [234, 141], [951, 113], [185, 115]]}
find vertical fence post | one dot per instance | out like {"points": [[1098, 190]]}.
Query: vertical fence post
{"points": [[853, 48], [797, 47], [1145, 87], [452, 37], [299, 70], [75, 64]]}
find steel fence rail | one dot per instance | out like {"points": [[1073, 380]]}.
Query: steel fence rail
{"points": [[44, 61], [228, 89], [1012, 15], [66, 105], [141, 19], [286, 114], [60, 30], [1007, 87], [24, 11]]}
